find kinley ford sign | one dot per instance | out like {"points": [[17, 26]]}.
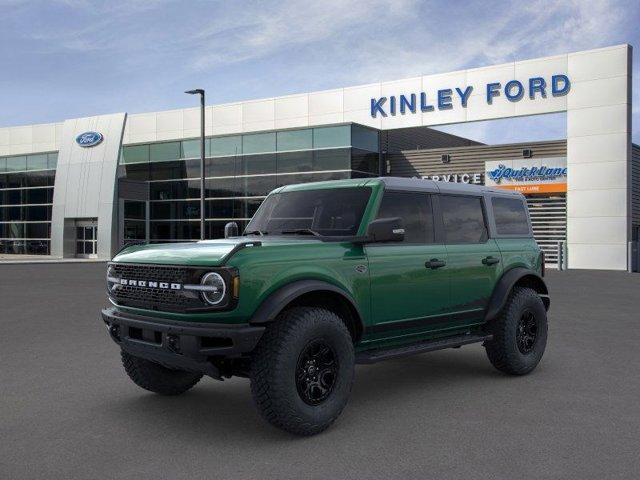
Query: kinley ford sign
{"points": [[447, 98]]}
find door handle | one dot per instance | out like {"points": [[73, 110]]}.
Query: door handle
{"points": [[434, 263], [490, 260]]}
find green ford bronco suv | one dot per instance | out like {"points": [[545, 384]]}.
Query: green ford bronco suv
{"points": [[328, 275]]}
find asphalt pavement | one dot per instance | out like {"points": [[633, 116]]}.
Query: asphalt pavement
{"points": [[68, 411]]}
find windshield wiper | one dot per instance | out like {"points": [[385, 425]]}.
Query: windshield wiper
{"points": [[302, 231], [255, 232]]}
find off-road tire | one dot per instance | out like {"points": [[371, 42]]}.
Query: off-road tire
{"points": [[275, 364], [503, 351], [156, 378]]}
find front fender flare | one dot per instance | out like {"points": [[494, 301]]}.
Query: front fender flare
{"points": [[278, 300], [507, 282]]}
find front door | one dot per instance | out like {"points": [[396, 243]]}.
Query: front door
{"points": [[474, 260], [409, 279]]}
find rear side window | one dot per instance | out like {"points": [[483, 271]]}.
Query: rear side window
{"points": [[415, 211], [463, 219], [510, 215]]}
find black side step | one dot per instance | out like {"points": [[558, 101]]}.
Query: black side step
{"points": [[373, 356]]}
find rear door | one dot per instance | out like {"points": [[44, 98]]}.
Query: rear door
{"points": [[474, 260], [409, 279]]}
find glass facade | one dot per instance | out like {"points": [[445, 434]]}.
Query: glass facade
{"points": [[26, 196], [240, 171]]}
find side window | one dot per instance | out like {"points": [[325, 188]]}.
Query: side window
{"points": [[510, 215], [463, 219], [415, 211]]}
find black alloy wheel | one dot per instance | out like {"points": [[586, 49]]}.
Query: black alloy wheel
{"points": [[316, 372], [527, 332]]}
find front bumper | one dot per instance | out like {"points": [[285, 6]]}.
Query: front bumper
{"points": [[182, 345]]}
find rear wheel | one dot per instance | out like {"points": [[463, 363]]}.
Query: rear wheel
{"points": [[302, 370], [519, 333], [156, 378]]}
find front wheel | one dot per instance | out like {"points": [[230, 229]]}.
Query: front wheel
{"points": [[156, 378], [302, 370], [519, 333]]}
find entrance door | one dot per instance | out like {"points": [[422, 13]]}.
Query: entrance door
{"points": [[87, 238], [409, 279]]}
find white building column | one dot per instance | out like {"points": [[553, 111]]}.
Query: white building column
{"points": [[599, 158]]}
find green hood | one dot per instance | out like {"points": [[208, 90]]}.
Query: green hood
{"points": [[204, 253]]}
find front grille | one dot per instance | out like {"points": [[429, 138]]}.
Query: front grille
{"points": [[156, 298]]}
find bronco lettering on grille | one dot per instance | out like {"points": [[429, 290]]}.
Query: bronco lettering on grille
{"points": [[150, 284]]}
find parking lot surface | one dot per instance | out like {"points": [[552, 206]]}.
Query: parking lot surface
{"points": [[68, 411]]}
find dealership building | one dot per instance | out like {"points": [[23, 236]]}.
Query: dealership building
{"points": [[86, 186]]}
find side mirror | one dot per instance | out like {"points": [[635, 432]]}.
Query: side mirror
{"points": [[385, 230], [231, 230]]}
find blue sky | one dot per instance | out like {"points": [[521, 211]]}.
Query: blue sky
{"points": [[73, 58]]}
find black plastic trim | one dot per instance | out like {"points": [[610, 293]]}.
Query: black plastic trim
{"points": [[243, 337], [504, 286], [278, 300]]}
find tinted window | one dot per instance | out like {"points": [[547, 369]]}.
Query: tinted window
{"points": [[510, 215], [463, 219], [415, 211], [332, 212]]}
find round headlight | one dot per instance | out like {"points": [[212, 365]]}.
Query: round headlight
{"points": [[215, 288]]}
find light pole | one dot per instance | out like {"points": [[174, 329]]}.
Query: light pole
{"points": [[200, 91]]}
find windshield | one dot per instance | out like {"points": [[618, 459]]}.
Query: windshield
{"points": [[326, 212]]}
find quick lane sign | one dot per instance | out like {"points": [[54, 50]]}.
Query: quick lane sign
{"points": [[544, 175], [448, 98]]}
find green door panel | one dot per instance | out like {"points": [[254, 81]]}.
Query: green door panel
{"points": [[472, 281], [405, 291]]}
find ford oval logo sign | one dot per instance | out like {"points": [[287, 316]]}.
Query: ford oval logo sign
{"points": [[89, 139]]}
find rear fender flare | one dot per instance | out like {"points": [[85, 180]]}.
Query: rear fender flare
{"points": [[505, 285]]}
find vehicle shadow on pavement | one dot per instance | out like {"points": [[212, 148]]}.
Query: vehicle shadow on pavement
{"points": [[225, 410]]}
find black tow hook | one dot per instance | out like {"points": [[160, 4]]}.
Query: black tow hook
{"points": [[173, 343], [114, 331]]}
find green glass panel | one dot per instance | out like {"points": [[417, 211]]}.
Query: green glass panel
{"points": [[16, 164], [364, 138], [3, 165], [295, 140], [191, 148], [259, 143], [162, 152], [135, 154], [37, 162], [226, 146], [326, 137], [52, 160]]}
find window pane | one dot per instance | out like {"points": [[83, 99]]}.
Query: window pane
{"points": [[256, 186], [220, 208], [223, 187], [364, 161], [135, 154], [221, 166], [463, 219], [37, 230], [332, 159], [414, 209], [3, 165], [52, 160], [162, 152], [134, 230], [325, 137], [364, 138], [39, 195], [175, 210], [191, 148], [39, 179], [333, 212], [137, 171], [226, 146], [510, 215], [16, 164], [259, 143], [295, 162], [40, 213], [37, 162], [184, 230], [290, 179], [37, 247], [175, 190], [134, 209], [295, 140], [258, 164]]}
